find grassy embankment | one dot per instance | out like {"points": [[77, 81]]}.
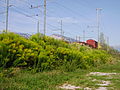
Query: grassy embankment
{"points": [[45, 63]]}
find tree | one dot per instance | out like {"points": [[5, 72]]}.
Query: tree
{"points": [[102, 39]]}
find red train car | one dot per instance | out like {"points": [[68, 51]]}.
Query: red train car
{"points": [[92, 43]]}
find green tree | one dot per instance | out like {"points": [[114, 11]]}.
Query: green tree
{"points": [[102, 39]]}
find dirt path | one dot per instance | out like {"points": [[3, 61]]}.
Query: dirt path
{"points": [[103, 85], [104, 78]]}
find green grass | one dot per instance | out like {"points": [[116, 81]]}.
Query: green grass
{"points": [[27, 80], [45, 80]]}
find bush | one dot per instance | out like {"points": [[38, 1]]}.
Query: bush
{"points": [[17, 51], [45, 53]]}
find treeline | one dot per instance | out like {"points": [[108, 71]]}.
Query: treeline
{"points": [[104, 42], [40, 53]]}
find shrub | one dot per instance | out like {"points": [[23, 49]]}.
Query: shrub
{"points": [[42, 53]]}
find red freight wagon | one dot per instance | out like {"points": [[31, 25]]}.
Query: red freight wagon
{"points": [[92, 43]]}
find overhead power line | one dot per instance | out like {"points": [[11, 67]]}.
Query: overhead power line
{"points": [[72, 11], [28, 14], [2, 22], [28, 4], [22, 12], [2, 12]]}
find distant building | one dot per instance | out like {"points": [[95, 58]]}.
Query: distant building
{"points": [[56, 36], [26, 35], [60, 37]]}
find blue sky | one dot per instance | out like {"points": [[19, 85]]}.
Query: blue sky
{"points": [[75, 14]]}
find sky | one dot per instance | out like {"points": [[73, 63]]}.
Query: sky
{"points": [[77, 16]]}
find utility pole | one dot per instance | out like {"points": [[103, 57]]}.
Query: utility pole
{"points": [[38, 22], [83, 35], [38, 31], [76, 38], [38, 27], [44, 17], [79, 38], [61, 29], [98, 23], [61, 24], [107, 44], [7, 9]]}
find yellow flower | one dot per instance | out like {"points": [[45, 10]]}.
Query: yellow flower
{"points": [[14, 51], [32, 54]]}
